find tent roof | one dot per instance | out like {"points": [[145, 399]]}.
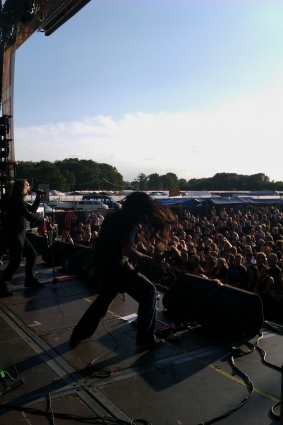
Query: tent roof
{"points": [[185, 202], [218, 200], [245, 200]]}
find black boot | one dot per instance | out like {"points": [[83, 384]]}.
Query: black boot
{"points": [[4, 291]]}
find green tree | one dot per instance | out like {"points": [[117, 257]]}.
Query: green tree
{"points": [[26, 170], [183, 184], [40, 172], [140, 183], [169, 180], [48, 173], [258, 182], [69, 179], [154, 182], [74, 174], [109, 176]]}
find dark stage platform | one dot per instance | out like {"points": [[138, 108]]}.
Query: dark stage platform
{"points": [[104, 380]]}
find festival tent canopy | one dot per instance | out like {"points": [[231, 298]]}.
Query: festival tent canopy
{"points": [[245, 200], [55, 192], [185, 202], [221, 200]]}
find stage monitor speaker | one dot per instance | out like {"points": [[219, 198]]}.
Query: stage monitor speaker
{"points": [[78, 257], [40, 243], [224, 310], [186, 295]]}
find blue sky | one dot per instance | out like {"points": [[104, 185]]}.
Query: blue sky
{"points": [[193, 87]]}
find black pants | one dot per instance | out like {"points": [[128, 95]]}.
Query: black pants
{"points": [[19, 246], [121, 279]]}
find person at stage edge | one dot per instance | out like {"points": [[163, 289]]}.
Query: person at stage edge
{"points": [[114, 256], [15, 213]]}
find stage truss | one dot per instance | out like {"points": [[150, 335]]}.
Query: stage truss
{"points": [[19, 19]]}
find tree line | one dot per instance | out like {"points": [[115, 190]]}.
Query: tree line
{"points": [[73, 174]]}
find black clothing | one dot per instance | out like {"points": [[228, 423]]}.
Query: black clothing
{"points": [[220, 274], [167, 279], [15, 213], [116, 275], [274, 272], [236, 275], [113, 236]]}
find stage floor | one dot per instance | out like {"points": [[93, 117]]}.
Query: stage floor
{"points": [[188, 381]]}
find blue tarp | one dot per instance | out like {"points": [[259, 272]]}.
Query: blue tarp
{"points": [[245, 200], [185, 202], [227, 201], [218, 200], [270, 201]]}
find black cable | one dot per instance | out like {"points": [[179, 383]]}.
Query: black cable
{"points": [[104, 372], [50, 407], [237, 352], [99, 373], [276, 408], [10, 376], [93, 372], [99, 420], [263, 354]]}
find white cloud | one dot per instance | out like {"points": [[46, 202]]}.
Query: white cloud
{"points": [[243, 137]]}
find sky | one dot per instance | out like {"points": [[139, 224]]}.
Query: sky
{"points": [[191, 87]]}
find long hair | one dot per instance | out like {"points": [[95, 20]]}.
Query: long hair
{"points": [[149, 212], [18, 189]]}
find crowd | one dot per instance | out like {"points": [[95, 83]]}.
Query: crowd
{"points": [[84, 233], [146, 242], [241, 249], [47, 229]]}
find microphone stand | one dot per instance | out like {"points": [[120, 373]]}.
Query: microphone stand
{"points": [[50, 242]]}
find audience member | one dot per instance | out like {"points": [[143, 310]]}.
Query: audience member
{"points": [[260, 259], [251, 278], [273, 270], [66, 237], [237, 272], [220, 270], [248, 258]]}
